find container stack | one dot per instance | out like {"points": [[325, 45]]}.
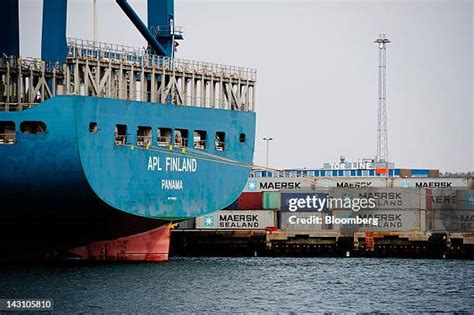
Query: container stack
{"points": [[255, 209], [396, 209], [249, 212], [400, 205], [415, 217]]}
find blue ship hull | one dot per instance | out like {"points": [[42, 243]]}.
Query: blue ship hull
{"points": [[70, 186]]}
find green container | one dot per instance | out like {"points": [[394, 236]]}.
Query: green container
{"points": [[271, 200]]}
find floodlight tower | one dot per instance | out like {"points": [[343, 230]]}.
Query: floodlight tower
{"points": [[382, 133]]}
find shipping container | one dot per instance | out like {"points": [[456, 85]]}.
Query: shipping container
{"points": [[405, 173], [237, 220], [271, 200], [188, 224], [451, 221], [377, 198], [278, 183], [420, 173], [381, 171], [302, 221], [465, 199], [434, 173], [250, 201], [439, 199], [431, 183], [390, 220], [354, 182], [450, 199]]}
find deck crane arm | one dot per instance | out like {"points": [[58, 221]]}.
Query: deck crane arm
{"points": [[128, 10]]}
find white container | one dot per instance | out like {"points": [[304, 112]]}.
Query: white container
{"points": [[384, 198], [258, 184], [396, 220], [438, 199], [465, 199], [451, 221], [450, 199], [431, 183], [237, 220], [354, 182]]}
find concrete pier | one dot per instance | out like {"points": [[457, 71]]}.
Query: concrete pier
{"points": [[322, 244]]}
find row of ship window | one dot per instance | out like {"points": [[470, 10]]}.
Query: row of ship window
{"points": [[8, 130], [167, 137]]}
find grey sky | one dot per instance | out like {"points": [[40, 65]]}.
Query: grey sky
{"points": [[317, 71]]}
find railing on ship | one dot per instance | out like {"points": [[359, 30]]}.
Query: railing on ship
{"points": [[79, 48], [24, 82], [166, 30], [29, 64]]}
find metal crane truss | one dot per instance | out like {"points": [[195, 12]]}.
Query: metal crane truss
{"points": [[122, 72]]}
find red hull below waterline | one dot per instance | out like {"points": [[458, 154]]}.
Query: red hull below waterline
{"points": [[152, 245]]}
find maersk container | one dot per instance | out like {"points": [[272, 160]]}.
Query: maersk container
{"points": [[396, 220], [302, 221], [250, 201], [237, 220], [258, 184], [354, 182], [450, 199], [465, 199], [451, 221], [439, 199], [377, 198], [431, 183], [271, 200]]}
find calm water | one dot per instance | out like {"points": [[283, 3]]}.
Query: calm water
{"points": [[249, 285]]}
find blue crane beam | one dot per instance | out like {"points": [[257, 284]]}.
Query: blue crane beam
{"points": [[161, 15], [53, 42], [9, 29], [128, 10]]}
